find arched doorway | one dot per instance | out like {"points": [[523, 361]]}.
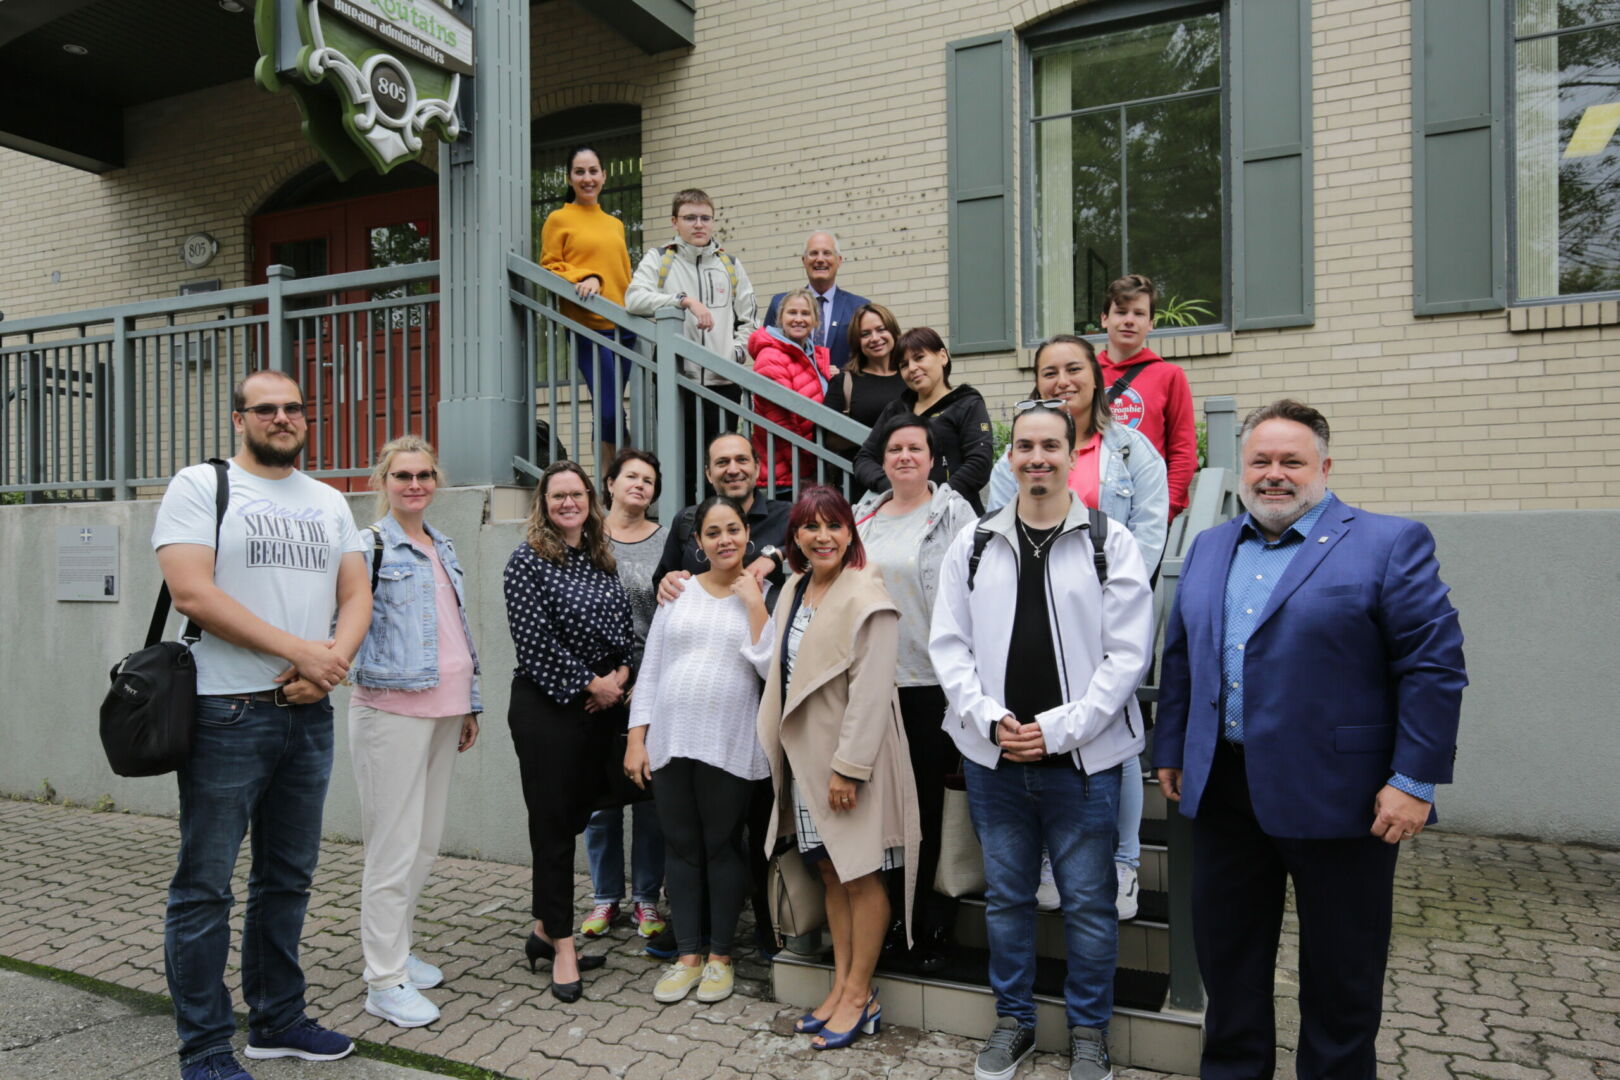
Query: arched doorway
{"points": [[368, 375]]}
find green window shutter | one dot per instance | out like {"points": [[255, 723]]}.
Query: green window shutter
{"points": [[979, 119], [1273, 243], [1459, 157]]}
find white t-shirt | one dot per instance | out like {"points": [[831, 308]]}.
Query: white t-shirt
{"points": [[279, 550]]}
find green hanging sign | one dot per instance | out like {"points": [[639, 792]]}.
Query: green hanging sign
{"points": [[370, 76]]}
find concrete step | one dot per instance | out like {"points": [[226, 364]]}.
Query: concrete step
{"points": [[1144, 942], [958, 1001]]}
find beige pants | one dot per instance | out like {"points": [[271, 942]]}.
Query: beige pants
{"points": [[402, 766]]}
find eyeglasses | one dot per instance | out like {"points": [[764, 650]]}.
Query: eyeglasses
{"points": [[422, 477], [557, 498], [697, 219], [1056, 404], [293, 409]]}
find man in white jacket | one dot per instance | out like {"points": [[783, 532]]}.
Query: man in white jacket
{"points": [[1040, 637], [699, 276]]}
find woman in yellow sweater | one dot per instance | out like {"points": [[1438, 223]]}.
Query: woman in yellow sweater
{"points": [[585, 244]]}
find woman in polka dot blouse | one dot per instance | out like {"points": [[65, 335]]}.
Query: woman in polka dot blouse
{"points": [[572, 632]]}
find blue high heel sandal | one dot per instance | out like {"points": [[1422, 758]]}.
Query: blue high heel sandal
{"points": [[809, 1024], [870, 1023]]}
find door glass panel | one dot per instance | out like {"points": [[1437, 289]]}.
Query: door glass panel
{"points": [[309, 259], [398, 245]]}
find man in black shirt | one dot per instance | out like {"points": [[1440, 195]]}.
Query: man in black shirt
{"points": [[732, 470], [1039, 639]]}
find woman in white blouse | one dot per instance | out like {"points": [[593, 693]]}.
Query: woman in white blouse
{"points": [[692, 731]]}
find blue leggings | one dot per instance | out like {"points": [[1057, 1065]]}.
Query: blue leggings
{"points": [[597, 366]]}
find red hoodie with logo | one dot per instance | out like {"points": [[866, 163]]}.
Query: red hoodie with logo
{"points": [[1159, 404]]}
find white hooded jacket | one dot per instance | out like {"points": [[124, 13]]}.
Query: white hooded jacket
{"points": [[1103, 638], [701, 274]]}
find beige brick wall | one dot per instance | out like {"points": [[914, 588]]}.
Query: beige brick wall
{"points": [[1451, 412]]}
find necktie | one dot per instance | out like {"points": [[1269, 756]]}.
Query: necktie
{"points": [[821, 325]]}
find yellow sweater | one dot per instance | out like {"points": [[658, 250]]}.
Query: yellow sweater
{"points": [[578, 242]]}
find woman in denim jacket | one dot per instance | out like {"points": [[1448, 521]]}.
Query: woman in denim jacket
{"points": [[415, 706], [1125, 479]]}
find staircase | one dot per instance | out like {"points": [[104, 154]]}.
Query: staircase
{"points": [[1146, 1033]]}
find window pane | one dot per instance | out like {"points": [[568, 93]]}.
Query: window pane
{"points": [[1173, 162], [1568, 167], [1128, 65], [1544, 16], [1078, 239], [397, 245]]}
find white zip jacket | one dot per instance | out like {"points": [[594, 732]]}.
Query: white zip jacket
{"points": [[1103, 637], [698, 272]]}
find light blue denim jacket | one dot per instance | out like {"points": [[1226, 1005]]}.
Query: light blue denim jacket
{"points": [[1134, 490], [401, 651]]}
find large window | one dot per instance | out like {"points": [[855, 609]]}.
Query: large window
{"points": [[614, 131], [1127, 141], [1566, 57]]}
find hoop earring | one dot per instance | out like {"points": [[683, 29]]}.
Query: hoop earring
{"points": [[749, 550], [702, 556]]}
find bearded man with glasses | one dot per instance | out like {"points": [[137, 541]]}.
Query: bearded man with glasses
{"points": [[264, 589]]}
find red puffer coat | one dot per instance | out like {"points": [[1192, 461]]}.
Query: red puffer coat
{"points": [[782, 361]]}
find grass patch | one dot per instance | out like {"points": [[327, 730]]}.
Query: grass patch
{"points": [[159, 1004]]}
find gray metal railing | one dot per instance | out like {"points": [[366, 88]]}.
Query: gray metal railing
{"points": [[97, 403], [669, 393]]}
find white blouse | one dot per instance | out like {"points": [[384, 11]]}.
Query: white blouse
{"points": [[697, 691]]}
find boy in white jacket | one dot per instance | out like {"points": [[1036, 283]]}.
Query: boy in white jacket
{"points": [[697, 275], [1042, 695]]}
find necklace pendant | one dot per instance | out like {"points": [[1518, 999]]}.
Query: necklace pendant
{"points": [[1039, 552]]}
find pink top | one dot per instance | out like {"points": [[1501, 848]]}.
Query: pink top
{"points": [[453, 695], [1085, 479]]}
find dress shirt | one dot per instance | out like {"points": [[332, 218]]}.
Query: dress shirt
{"points": [[1257, 565]]}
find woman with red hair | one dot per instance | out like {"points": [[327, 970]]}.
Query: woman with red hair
{"points": [[829, 722]]}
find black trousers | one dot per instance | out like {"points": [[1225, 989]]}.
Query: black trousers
{"points": [[701, 810], [560, 750], [1343, 892], [933, 756], [701, 421]]}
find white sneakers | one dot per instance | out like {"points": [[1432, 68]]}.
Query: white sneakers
{"points": [[421, 974], [1125, 898], [402, 1005]]}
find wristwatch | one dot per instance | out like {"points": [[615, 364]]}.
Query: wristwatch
{"points": [[680, 296], [771, 551]]}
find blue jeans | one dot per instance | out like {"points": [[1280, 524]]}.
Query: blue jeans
{"points": [[608, 376], [1131, 797], [604, 847], [1015, 809], [261, 769]]}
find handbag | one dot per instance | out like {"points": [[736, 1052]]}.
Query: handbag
{"points": [[150, 711], [961, 859], [797, 900], [618, 790]]}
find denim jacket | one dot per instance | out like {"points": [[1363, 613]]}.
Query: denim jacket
{"points": [[1134, 491], [401, 651]]}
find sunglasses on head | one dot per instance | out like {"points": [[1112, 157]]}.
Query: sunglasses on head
{"points": [[1055, 404], [293, 409]]}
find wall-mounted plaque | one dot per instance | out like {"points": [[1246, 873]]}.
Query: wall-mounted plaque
{"points": [[87, 562]]}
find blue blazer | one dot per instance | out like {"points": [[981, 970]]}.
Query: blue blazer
{"points": [[1354, 673], [843, 311]]}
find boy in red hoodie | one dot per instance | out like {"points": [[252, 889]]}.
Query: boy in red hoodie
{"points": [[1146, 391]]}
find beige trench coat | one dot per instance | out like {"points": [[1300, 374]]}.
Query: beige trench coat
{"points": [[842, 714]]}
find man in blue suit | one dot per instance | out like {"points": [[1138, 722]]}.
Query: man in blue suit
{"points": [[835, 306], [1313, 674]]}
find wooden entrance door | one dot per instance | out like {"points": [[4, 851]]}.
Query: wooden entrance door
{"points": [[369, 373]]}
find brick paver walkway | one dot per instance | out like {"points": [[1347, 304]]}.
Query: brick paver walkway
{"points": [[1506, 964]]}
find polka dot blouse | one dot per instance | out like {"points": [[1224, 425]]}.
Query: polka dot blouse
{"points": [[569, 623]]}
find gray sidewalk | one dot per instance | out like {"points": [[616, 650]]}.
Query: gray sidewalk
{"points": [[1506, 963]]}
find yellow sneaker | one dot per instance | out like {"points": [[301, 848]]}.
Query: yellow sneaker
{"points": [[716, 984], [678, 982]]}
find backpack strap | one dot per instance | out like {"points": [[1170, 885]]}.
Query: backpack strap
{"points": [[665, 263], [1123, 383], [376, 555], [981, 537], [1097, 526], [730, 265]]}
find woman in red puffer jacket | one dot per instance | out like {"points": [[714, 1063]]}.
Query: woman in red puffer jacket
{"points": [[786, 354]]}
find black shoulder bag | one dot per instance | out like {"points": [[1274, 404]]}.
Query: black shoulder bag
{"points": [[150, 712]]}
